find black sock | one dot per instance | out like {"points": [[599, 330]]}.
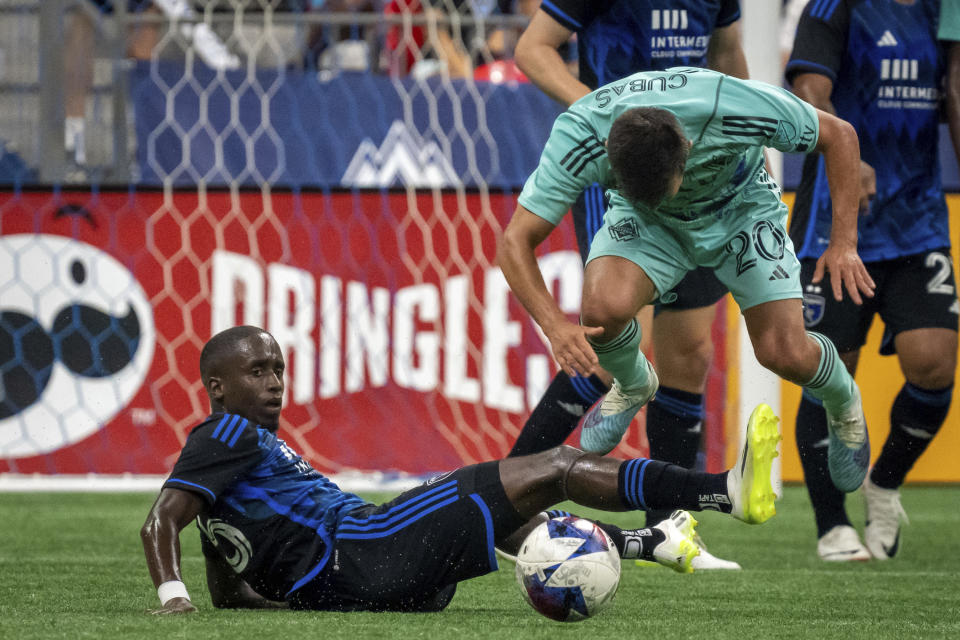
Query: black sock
{"points": [[674, 427], [827, 500], [634, 543], [630, 543], [558, 412], [651, 484], [916, 416]]}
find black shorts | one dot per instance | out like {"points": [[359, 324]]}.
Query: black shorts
{"points": [[913, 292], [699, 288], [408, 554]]}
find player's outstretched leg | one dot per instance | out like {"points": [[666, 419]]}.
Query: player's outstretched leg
{"points": [[634, 385], [848, 448], [534, 483]]}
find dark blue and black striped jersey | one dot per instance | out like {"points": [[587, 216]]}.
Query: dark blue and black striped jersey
{"points": [[617, 38], [270, 514], [886, 66]]}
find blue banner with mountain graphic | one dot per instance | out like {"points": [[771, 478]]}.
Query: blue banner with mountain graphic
{"points": [[296, 129]]}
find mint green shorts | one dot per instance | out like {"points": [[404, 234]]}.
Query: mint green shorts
{"points": [[744, 242]]}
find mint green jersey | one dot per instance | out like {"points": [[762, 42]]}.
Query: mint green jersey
{"points": [[949, 20], [728, 120]]}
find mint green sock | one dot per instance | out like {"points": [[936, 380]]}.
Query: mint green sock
{"points": [[832, 384], [623, 359]]}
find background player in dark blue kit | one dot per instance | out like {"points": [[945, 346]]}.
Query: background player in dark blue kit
{"points": [[878, 65], [616, 38], [276, 532]]}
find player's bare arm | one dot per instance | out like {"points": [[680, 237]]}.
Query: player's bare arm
{"points": [[725, 53], [229, 591], [816, 89], [516, 257], [840, 147], [537, 56], [160, 534]]}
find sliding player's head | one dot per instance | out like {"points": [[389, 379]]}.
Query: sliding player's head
{"points": [[648, 152], [242, 371]]}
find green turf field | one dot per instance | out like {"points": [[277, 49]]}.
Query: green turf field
{"points": [[71, 566]]}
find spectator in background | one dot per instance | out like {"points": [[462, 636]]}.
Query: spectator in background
{"points": [[453, 40], [78, 63], [502, 42], [878, 66], [143, 37], [614, 40], [340, 47]]}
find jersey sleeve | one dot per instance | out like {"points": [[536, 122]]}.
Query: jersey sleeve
{"points": [[949, 28], [572, 160], [575, 15], [820, 40], [753, 113], [215, 455], [729, 13]]}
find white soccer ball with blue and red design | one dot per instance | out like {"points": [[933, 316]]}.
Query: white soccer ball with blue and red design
{"points": [[568, 569]]}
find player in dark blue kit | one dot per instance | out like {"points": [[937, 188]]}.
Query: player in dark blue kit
{"points": [[878, 65], [616, 38], [277, 533]]}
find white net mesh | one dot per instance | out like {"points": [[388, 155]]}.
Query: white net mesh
{"points": [[247, 119]]}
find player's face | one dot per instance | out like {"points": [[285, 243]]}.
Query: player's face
{"points": [[252, 380]]}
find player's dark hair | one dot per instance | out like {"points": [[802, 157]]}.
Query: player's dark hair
{"points": [[647, 149], [221, 345]]}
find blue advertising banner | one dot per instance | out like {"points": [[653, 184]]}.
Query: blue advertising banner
{"points": [[294, 129]]}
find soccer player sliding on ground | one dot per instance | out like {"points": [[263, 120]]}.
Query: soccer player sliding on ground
{"points": [[276, 533]]}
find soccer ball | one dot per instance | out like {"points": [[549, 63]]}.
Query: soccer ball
{"points": [[568, 569]]}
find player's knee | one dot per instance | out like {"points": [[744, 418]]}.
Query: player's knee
{"points": [[558, 460], [612, 315], [933, 373], [787, 356]]}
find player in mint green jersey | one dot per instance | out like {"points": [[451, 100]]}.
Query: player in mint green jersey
{"points": [[681, 154]]}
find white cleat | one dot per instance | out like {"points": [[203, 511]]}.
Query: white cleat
{"points": [[842, 544], [706, 561], [752, 497], [607, 421], [884, 515], [679, 549]]}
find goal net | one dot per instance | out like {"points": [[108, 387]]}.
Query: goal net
{"points": [[338, 178]]}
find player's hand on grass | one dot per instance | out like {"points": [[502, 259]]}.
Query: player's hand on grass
{"points": [[570, 347], [175, 606], [846, 270]]}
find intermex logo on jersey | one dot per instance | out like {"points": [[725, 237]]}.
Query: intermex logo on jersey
{"points": [[669, 41], [403, 158], [76, 340], [902, 86], [899, 69]]}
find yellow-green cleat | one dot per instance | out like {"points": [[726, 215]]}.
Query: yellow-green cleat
{"points": [[748, 483]]}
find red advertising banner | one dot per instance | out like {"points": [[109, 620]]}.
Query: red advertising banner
{"points": [[405, 350]]}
